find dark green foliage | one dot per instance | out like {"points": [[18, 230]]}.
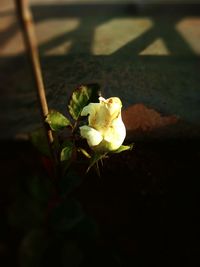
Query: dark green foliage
{"points": [[39, 140], [68, 182], [66, 216], [31, 198], [66, 152]]}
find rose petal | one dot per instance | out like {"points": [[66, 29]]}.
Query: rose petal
{"points": [[93, 136], [115, 135], [104, 124]]}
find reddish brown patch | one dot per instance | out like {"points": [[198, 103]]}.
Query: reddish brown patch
{"points": [[140, 117]]}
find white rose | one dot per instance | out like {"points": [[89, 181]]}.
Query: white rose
{"points": [[105, 131]]}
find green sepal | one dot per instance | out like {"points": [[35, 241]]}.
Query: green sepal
{"points": [[123, 148], [84, 152], [96, 157]]}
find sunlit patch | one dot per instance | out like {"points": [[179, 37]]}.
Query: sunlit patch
{"points": [[11, 38], [50, 29], [60, 49], [116, 33], [189, 28], [157, 47], [6, 21], [51, 36]]}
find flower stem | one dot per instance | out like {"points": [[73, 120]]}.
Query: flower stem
{"points": [[30, 41]]}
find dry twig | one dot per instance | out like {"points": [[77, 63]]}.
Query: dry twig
{"points": [[30, 40]]}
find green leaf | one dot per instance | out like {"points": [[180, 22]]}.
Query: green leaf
{"points": [[40, 188], [123, 148], [57, 121], [39, 140], [81, 97], [66, 152]]}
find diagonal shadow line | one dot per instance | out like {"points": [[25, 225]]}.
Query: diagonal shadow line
{"points": [[137, 45], [174, 42], [56, 41], [85, 28], [173, 39], [88, 30], [8, 33], [6, 13], [52, 11]]}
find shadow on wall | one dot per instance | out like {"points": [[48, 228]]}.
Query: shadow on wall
{"points": [[166, 83], [93, 15]]}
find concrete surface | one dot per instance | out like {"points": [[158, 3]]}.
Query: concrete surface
{"points": [[146, 55]]}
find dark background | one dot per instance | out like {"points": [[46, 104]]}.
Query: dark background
{"points": [[144, 209]]}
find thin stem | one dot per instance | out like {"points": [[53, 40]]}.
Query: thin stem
{"points": [[30, 40], [97, 169]]}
